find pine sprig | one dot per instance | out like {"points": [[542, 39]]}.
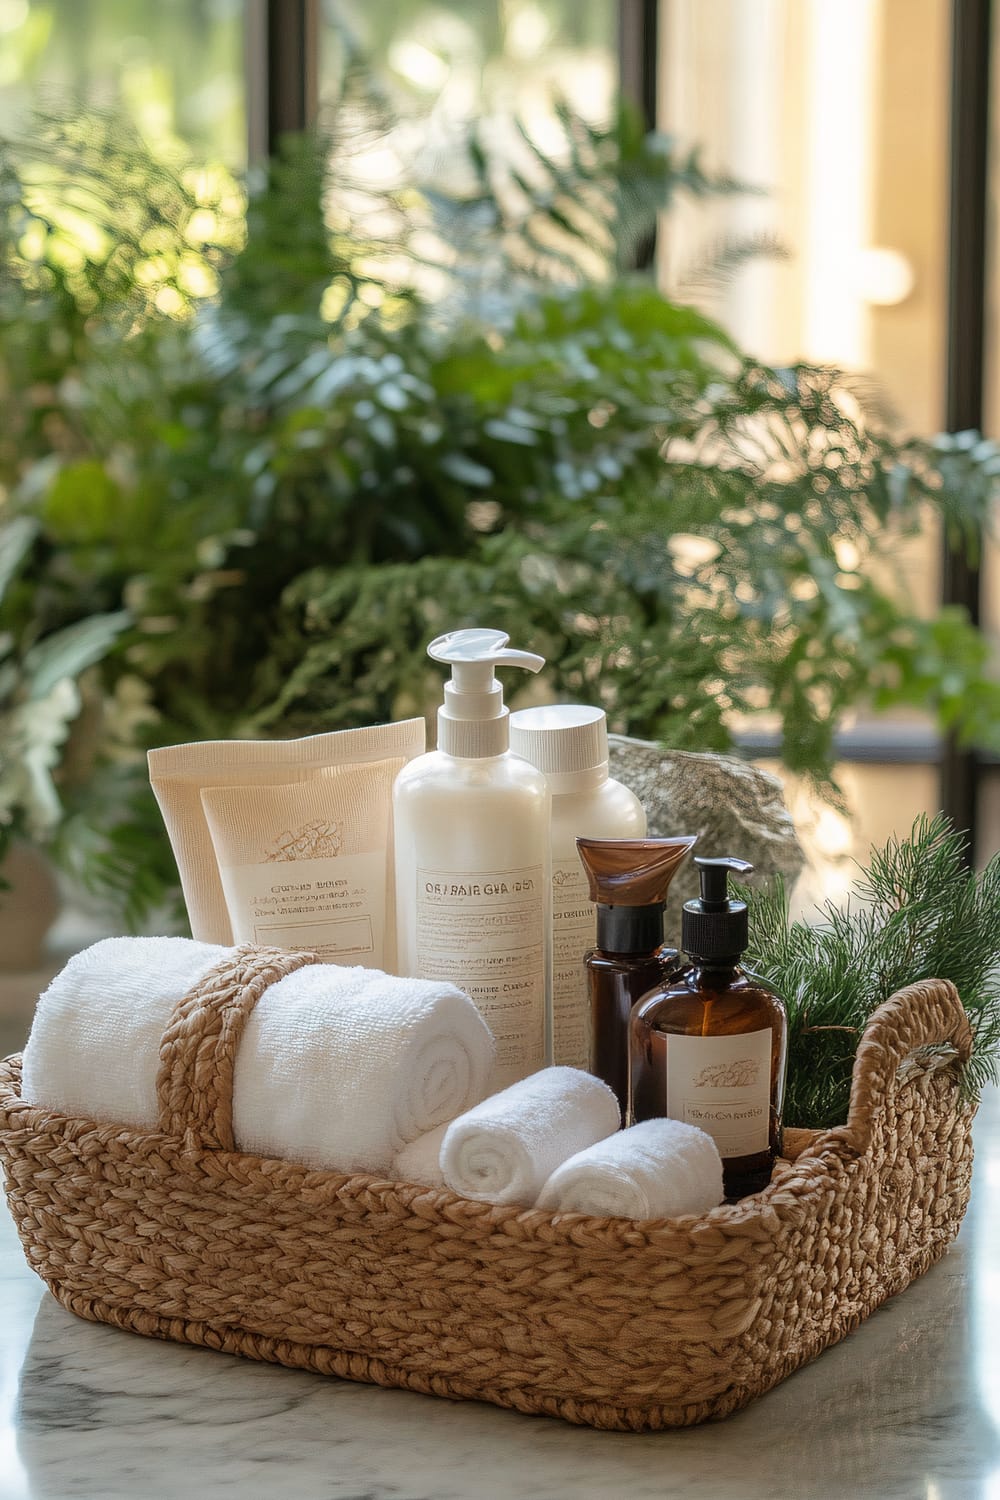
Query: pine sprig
{"points": [[915, 913]]}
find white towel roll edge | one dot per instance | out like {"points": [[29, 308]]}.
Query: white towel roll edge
{"points": [[658, 1169]]}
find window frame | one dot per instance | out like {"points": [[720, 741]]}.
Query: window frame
{"points": [[962, 769], [281, 65]]}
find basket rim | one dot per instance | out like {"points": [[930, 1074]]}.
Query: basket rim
{"points": [[925, 1014], [321, 1186], [754, 1217]]}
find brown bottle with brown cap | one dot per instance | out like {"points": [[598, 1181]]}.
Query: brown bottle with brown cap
{"points": [[629, 880], [708, 1043]]}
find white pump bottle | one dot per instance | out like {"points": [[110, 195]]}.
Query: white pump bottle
{"points": [[472, 857]]}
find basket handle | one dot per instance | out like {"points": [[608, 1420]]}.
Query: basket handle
{"points": [[194, 1084], [926, 1014]]}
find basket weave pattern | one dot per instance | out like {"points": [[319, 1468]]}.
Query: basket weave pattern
{"points": [[610, 1322]]}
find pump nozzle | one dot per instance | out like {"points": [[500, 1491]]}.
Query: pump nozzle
{"points": [[715, 927], [714, 875], [473, 652], [629, 880], [473, 720]]}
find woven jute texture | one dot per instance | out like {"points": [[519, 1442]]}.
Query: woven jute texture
{"points": [[611, 1322]]}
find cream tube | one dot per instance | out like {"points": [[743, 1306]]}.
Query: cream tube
{"points": [[309, 864], [179, 773]]}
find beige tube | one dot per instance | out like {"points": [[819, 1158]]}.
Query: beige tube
{"points": [[309, 864], [179, 773]]}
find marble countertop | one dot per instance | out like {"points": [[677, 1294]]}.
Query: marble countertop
{"points": [[907, 1408]]}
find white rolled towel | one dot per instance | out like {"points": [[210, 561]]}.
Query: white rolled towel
{"points": [[94, 1047], [337, 1067], [341, 1068], [502, 1150], [420, 1161], [658, 1169]]}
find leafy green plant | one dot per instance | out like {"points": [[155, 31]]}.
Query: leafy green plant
{"points": [[40, 696], [916, 913], [588, 205], [295, 446]]}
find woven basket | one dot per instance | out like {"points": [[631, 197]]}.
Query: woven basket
{"points": [[610, 1322]]}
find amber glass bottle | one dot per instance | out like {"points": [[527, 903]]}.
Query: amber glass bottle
{"points": [[629, 880], [708, 1044]]}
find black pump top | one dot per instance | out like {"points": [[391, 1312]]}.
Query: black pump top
{"points": [[715, 927]]}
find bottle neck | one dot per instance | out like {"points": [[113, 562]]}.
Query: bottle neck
{"points": [[565, 783], [630, 929], [716, 970], [473, 739]]}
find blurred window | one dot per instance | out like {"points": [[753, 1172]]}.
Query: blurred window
{"points": [[839, 110], [442, 66], [176, 66], [443, 63]]}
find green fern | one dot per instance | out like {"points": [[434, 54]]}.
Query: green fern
{"points": [[582, 208]]}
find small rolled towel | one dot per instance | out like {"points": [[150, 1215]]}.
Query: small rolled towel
{"points": [[504, 1149], [658, 1169], [420, 1161], [337, 1067]]}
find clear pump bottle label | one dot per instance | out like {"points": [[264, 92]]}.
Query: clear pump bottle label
{"points": [[722, 1084], [485, 933]]}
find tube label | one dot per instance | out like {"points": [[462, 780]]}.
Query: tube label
{"points": [[335, 906], [722, 1084], [485, 934]]}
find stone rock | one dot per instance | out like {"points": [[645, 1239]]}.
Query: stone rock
{"points": [[732, 806]]}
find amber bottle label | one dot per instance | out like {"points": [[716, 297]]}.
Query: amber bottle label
{"points": [[722, 1084]]}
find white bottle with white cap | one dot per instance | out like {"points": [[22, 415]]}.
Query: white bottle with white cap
{"points": [[472, 857], [569, 743]]}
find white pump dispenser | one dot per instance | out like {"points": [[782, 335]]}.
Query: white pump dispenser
{"points": [[472, 721], [472, 856]]}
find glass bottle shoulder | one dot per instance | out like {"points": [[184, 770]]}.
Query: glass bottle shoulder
{"points": [[658, 963], [736, 998]]}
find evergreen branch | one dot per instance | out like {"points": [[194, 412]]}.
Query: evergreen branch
{"points": [[915, 913]]}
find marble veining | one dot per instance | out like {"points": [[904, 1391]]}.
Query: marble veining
{"points": [[907, 1408]]}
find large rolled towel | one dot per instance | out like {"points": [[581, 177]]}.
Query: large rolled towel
{"points": [[658, 1169], [337, 1067], [504, 1149], [94, 1047], [341, 1068]]}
